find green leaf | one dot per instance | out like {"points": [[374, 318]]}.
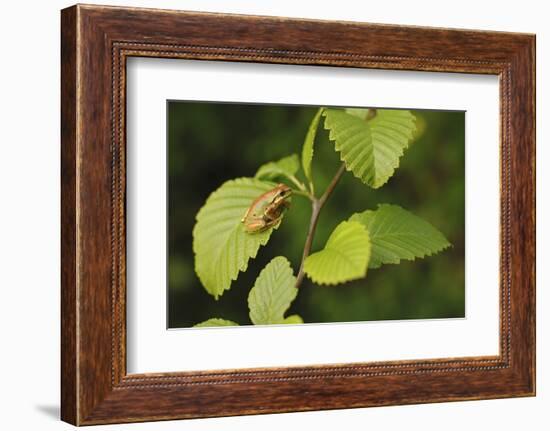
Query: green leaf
{"points": [[370, 147], [222, 247], [362, 113], [397, 234], [285, 167], [293, 320], [215, 321], [344, 258], [307, 148], [273, 293]]}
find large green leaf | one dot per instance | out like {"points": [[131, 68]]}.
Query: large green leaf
{"points": [[362, 113], [370, 147], [215, 321], [344, 258], [222, 247], [397, 234], [273, 293], [307, 148], [285, 167]]}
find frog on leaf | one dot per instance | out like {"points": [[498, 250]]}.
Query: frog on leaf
{"points": [[267, 209]]}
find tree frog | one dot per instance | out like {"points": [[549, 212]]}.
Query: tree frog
{"points": [[267, 209]]}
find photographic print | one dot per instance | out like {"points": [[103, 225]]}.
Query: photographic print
{"points": [[284, 214], [300, 205]]}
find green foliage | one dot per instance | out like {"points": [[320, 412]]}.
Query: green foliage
{"points": [[215, 321], [370, 147], [397, 234], [344, 258], [285, 167], [270, 297], [370, 142], [362, 113], [222, 247], [273, 293], [307, 148]]}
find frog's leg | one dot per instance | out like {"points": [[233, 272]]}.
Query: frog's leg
{"points": [[286, 204], [255, 226], [253, 223], [245, 215], [273, 221], [259, 224], [275, 212]]}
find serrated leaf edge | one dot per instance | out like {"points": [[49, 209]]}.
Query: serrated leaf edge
{"points": [[323, 283], [427, 254], [262, 243], [314, 122], [376, 184], [288, 266]]}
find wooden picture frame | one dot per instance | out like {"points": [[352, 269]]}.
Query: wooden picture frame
{"points": [[95, 43]]}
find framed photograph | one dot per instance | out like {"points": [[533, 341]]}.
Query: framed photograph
{"points": [[267, 215]]}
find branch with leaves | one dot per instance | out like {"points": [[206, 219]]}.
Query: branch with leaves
{"points": [[241, 215]]}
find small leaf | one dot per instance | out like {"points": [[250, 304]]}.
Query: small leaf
{"points": [[293, 320], [397, 234], [273, 293], [307, 148], [222, 247], [344, 258], [370, 147], [285, 167], [215, 321]]}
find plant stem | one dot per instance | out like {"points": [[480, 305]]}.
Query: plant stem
{"points": [[304, 194], [297, 183], [309, 240], [332, 185], [316, 206], [302, 189]]}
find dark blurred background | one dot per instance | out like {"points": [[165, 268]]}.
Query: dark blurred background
{"points": [[209, 143]]}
